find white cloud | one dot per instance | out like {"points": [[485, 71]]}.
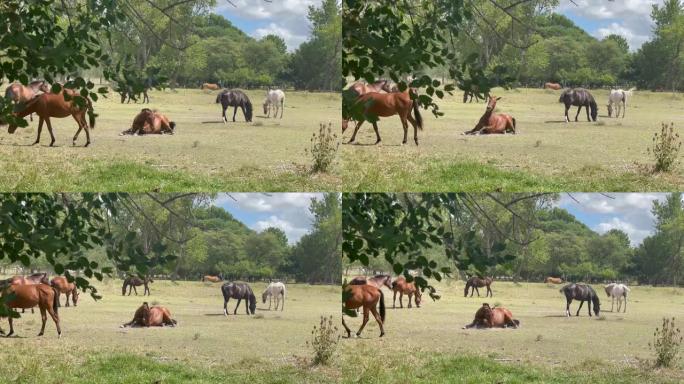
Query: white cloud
{"points": [[286, 18], [293, 233], [636, 235]]}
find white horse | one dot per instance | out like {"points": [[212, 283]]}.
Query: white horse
{"points": [[274, 290], [619, 291], [617, 97], [275, 98]]}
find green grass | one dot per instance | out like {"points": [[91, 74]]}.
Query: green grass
{"points": [[203, 155], [429, 345], [204, 347], [546, 155]]}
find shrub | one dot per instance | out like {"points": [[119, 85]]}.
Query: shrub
{"points": [[666, 147], [324, 340], [666, 342], [324, 147]]}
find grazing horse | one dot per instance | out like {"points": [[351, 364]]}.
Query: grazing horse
{"points": [[581, 292], [368, 297], [62, 285], [385, 105], [471, 94], [146, 316], [617, 97], [210, 86], [579, 97], [554, 86], [403, 287], [275, 98], [212, 278], [476, 283], [21, 94], [28, 296], [150, 122], [378, 281], [276, 290], [553, 280], [618, 291], [235, 98], [131, 282], [491, 122], [49, 105], [488, 317], [238, 291]]}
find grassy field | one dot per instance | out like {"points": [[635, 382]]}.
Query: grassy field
{"points": [[205, 347], [546, 155], [428, 344], [203, 155]]}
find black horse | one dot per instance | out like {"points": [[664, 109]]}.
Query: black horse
{"points": [[134, 281], [238, 291], [579, 97], [235, 98], [581, 292]]}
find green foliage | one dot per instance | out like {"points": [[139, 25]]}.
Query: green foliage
{"points": [[665, 148], [324, 148], [324, 340], [666, 343]]}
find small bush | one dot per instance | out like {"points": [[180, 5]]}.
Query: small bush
{"points": [[666, 147], [666, 342], [324, 147], [324, 339]]}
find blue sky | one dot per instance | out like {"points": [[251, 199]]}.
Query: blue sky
{"points": [[259, 211], [600, 18], [629, 212], [258, 18]]}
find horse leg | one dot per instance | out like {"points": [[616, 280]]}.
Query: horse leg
{"points": [[612, 303], [49, 127], [234, 113], [478, 291], [586, 109], [410, 297], [135, 289], [11, 323], [67, 298], [225, 120], [567, 307], [346, 328], [625, 311], [415, 127], [237, 306], [589, 307], [580, 307], [43, 317], [225, 307], [377, 318], [365, 320], [55, 318], [578, 112], [377, 133], [282, 109], [567, 108], [247, 306], [394, 300], [84, 124], [404, 125], [356, 129], [40, 128]]}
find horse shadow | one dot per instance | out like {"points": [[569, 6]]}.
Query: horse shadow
{"points": [[556, 316], [554, 121], [372, 145], [213, 122]]}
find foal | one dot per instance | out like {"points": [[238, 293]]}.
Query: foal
{"points": [[491, 122]]}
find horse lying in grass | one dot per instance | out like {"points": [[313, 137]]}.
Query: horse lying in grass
{"points": [[62, 285], [619, 292], [28, 296], [367, 297], [492, 122], [403, 287], [149, 122], [146, 316], [581, 292], [497, 317]]}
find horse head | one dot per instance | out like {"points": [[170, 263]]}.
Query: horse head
{"points": [[266, 103], [264, 296], [491, 105]]}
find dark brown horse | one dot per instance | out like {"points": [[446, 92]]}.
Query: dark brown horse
{"points": [[146, 316], [554, 86], [62, 285], [487, 317], [239, 291], [553, 280], [212, 278], [403, 287], [385, 105], [579, 97], [235, 98], [475, 283], [131, 282], [492, 122], [378, 281], [21, 94], [28, 296], [50, 105], [368, 297], [150, 122], [581, 292]]}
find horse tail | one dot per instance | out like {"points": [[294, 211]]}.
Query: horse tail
{"points": [[123, 288], [248, 110], [55, 300], [172, 124], [514, 127], [91, 113], [517, 322], [416, 112], [252, 302], [382, 306], [218, 98]]}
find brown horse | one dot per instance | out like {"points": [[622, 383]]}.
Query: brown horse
{"points": [[554, 86], [212, 279], [378, 281], [491, 122], [146, 316], [50, 105], [210, 86], [131, 282], [476, 283], [553, 280], [487, 317], [403, 287], [28, 296], [36, 278], [368, 297], [385, 105], [62, 285], [150, 122], [21, 94]]}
